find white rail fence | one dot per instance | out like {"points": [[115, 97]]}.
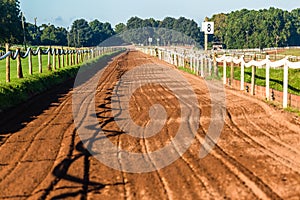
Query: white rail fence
{"points": [[206, 65], [267, 64], [60, 58], [198, 62]]}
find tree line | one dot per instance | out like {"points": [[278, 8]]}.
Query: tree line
{"points": [[239, 29], [263, 28]]}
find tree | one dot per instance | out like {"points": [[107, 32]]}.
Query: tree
{"points": [[121, 27], [10, 21], [100, 32], [81, 33], [53, 36], [33, 34], [134, 23], [257, 29]]}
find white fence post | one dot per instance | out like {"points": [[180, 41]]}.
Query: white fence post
{"points": [[268, 79], [224, 71], [285, 85], [243, 74], [202, 66], [198, 64]]}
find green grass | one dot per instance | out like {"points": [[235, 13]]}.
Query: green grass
{"points": [[293, 52], [276, 78], [20, 90], [25, 68], [293, 110], [188, 70]]}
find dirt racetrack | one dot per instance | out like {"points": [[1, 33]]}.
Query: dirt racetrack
{"points": [[42, 157]]}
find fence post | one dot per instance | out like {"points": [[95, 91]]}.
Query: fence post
{"points": [[253, 77], [202, 66], [198, 65], [209, 65], [30, 62], [19, 64], [63, 57], [77, 57], [49, 60], [216, 65], [268, 79], [54, 59], [285, 85], [67, 58], [243, 73], [231, 72], [195, 63], [71, 57], [224, 71], [40, 61], [7, 63], [59, 53], [253, 80]]}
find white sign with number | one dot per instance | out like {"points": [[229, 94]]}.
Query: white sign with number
{"points": [[208, 27]]}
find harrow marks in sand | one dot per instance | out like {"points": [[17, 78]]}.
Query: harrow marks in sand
{"points": [[42, 156]]}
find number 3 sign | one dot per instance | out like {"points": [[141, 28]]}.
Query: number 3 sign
{"points": [[208, 27]]}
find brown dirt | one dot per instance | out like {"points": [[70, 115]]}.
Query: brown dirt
{"points": [[42, 157]]}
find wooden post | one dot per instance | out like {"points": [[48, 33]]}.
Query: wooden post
{"points": [[54, 59], [7, 46], [19, 65], [49, 60], [71, 58], [268, 80], [224, 72], [231, 73], [40, 61], [77, 58], [63, 58], [58, 59], [30, 62], [67, 59], [285, 85]]}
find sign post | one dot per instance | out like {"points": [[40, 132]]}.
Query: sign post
{"points": [[208, 28], [150, 40]]}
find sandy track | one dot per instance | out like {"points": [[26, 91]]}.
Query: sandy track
{"points": [[42, 157]]}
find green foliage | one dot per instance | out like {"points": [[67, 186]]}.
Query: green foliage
{"points": [[168, 34], [120, 28], [54, 36], [100, 32], [258, 29], [188, 70], [10, 21]]}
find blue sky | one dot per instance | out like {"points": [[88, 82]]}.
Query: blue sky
{"points": [[64, 12]]}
